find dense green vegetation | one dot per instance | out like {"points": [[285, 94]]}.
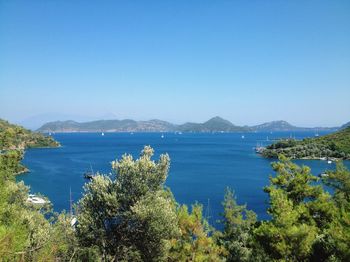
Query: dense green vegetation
{"points": [[15, 139], [130, 215], [19, 138], [335, 145], [25, 232]]}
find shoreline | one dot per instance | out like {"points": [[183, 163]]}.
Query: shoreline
{"points": [[25, 170], [333, 159]]}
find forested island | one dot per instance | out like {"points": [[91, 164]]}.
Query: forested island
{"points": [[332, 146], [130, 215], [215, 124]]}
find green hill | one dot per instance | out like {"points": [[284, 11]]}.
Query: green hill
{"points": [[14, 137], [126, 125], [215, 124], [335, 145]]}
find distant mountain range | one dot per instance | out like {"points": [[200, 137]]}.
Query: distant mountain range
{"points": [[345, 125], [285, 126], [215, 124], [36, 121]]}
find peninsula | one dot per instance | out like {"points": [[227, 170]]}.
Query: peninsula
{"points": [[332, 146], [15, 139]]}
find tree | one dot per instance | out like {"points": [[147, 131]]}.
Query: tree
{"points": [[238, 222], [131, 216], [24, 230], [338, 231], [195, 242], [300, 212]]}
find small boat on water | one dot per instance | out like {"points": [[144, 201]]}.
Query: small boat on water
{"points": [[73, 221], [102, 134], [259, 149], [35, 199], [323, 175], [316, 133], [89, 174]]}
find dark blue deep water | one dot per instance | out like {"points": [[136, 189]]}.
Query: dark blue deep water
{"points": [[202, 165]]}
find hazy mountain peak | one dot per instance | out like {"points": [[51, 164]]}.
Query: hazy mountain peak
{"points": [[218, 119], [277, 125], [218, 122], [345, 125]]}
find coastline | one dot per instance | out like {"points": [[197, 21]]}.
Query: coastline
{"points": [[26, 169], [333, 159], [23, 171]]}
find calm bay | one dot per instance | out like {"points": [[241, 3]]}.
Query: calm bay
{"points": [[202, 165]]}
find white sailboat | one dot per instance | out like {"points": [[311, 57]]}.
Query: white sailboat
{"points": [[73, 220]]}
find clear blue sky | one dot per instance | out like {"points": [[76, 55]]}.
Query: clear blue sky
{"points": [[180, 60]]}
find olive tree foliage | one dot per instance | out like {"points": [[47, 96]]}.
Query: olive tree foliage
{"points": [[24, 231], [129, 216]]}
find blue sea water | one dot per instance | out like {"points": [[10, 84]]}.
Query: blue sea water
{"points": [[202, 165]]}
